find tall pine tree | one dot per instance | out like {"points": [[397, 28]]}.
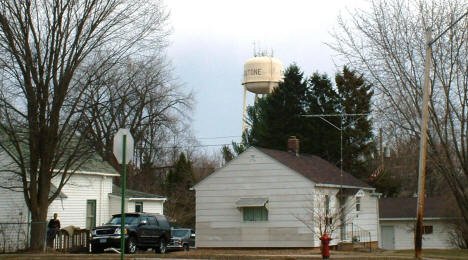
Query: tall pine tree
{"points": [[323, 140], [180, 206], [277, 116], [355, 98]]}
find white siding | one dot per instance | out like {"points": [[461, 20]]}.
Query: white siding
{"points": [[71, 210], [114, 205], [253, 174], [404, 234], [13, 210], [12, 205], [79, 189], [151, 206], [367, 217]]}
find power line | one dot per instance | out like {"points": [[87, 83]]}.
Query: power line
{"points": [[220, 137], [183, 146]]}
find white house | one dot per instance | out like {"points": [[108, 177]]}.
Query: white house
{"points": [[88, 199], [135, 201], [397, 221], [262, 197]]}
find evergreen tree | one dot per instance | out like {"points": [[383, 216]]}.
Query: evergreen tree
{"points": [[180, 175], [355, 97], [228, 154], [277, 116], [323, 140], [180, 206]]}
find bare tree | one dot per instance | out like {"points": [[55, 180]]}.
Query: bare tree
{"points": [[387, 43], [324, 214], [141, 95], [45, 47]]}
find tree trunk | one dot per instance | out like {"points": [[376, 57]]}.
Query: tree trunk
{"points": [[38, 228]]}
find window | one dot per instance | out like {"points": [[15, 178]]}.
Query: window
{"points": [[255, 214], [152, 221], [138, 206], [428, 229], [90, 214], [328, 221], [327, 205], [358, 204]]}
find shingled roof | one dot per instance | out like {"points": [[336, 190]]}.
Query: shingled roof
{"points": [[134, 193], [314, 168], [434, 207]]}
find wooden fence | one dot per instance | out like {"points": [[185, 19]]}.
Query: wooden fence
{"points": [[78, 241]]}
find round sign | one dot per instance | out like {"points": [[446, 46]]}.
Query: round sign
{"points": [[118, 145]]}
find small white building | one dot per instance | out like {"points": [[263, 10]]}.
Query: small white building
{"points": [[261, 197], [398, 218], [135, 201], [87, 200]]}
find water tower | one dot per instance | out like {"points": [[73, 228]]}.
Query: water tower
{"points": [[261, 76]]}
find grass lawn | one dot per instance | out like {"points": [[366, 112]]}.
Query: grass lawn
{"points": [[274, 254], [441, 253]]}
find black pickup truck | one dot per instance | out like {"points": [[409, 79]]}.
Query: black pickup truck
{"points": [[142, 231]]}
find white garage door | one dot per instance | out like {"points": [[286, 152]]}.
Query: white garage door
{"points": [[388, 237]]}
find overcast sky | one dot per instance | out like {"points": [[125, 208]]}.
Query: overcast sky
{"points": [[211, 40]]}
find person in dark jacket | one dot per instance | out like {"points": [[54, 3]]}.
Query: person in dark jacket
{"points": [[52, 228]]}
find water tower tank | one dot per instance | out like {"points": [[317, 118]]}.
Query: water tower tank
{"points": [[262, 74]]}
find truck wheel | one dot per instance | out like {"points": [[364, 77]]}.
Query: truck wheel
{"points": [[131, 246], [186, 247], [162, 246]]}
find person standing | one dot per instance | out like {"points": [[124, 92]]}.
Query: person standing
{"points": [[52, 228]]}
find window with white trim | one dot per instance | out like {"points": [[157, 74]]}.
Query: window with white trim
{"points": [[358, 204], [138, 206]]}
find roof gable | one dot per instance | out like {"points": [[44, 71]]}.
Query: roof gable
{"points": [[314, 168], [231, 163]]}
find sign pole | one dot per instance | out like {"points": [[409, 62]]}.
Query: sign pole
{"points": [[123, 144], [124, 183]]}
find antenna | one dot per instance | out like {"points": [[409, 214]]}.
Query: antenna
{"points": [[254, 49]]}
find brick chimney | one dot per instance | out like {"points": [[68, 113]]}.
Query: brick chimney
{"points": [[293, 145]]}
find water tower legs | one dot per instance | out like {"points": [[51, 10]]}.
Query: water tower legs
{"points": [[244, 110]]}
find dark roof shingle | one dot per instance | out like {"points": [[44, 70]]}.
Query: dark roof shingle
{"points": [[434, 207], [314, 168], [134, 193]]}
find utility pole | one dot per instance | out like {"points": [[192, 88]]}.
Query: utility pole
{"points": [[422, 150], [423, 139]]}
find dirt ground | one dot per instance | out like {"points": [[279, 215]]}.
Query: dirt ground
{"points": [[279, 254]]}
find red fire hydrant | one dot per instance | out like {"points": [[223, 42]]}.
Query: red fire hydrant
{"points": [[325, 246]]}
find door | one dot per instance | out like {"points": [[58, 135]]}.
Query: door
{"points": [[138, 206], [388, 237], [90, 214], [144, 231], [154, 229]]}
